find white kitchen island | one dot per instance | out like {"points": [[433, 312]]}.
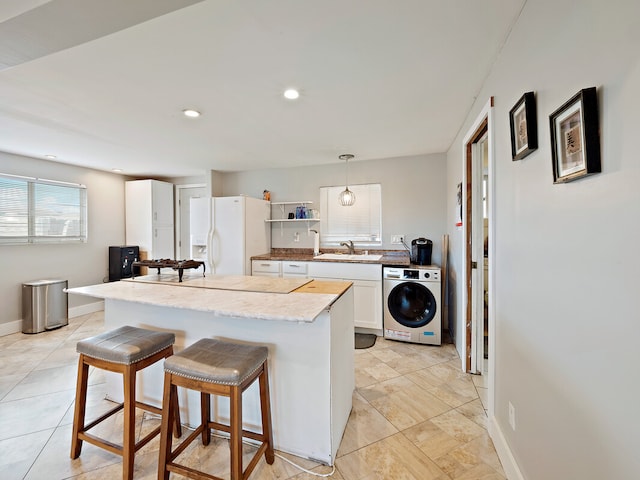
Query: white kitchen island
{"points": [[310, 337]]}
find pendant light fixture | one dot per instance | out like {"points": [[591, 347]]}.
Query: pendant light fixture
{"points": [[346, 197]]}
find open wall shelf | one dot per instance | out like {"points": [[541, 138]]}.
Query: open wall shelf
{"points": [[284, 213]]}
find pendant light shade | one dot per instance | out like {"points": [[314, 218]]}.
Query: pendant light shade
{"points": [[346, 197]]}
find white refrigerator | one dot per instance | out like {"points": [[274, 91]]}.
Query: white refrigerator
{"points": [[227, 231]]}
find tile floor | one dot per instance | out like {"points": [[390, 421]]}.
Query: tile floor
{"points": [[415, 416]]}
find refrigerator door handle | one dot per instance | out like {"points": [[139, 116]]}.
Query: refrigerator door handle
{"points": [[210, 251], [212, 231]]}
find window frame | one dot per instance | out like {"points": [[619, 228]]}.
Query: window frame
{"points": [[37, 209], [372, 238]]}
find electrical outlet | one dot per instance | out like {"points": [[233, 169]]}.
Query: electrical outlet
{"points": [[512, 416], [397, 239], [296, 237]]}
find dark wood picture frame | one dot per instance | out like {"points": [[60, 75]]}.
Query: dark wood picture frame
{"points": [[524, 129], [575, 137]]}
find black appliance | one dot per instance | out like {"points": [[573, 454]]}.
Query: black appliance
{"points": [[121, 260], [421, 251]]}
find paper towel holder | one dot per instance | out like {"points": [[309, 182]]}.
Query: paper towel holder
{"points": [[316, 242]]}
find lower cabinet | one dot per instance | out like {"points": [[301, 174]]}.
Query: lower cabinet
{"points": [[367, 304], [277, 268], [367, 288], [366, 278], [295, 269], [265, 268]]}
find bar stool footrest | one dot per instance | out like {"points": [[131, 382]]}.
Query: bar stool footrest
{"points": [[102, 417], [101, 442], [190, 472], [245, 433]]}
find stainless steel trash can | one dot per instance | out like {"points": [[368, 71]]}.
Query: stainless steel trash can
{"points": [[44, 305]]}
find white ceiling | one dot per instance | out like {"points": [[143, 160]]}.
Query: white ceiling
{"points": [[378, 78]]}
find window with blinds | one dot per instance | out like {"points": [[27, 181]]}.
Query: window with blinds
{"points": [[361, 222], [34, 210]]}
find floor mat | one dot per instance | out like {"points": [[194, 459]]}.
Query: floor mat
{"points": [[365, 340]]}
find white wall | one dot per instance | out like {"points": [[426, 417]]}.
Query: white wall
{"points": [[567, 320], [413, 195], [80, 264]]}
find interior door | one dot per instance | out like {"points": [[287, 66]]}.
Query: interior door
{"points": [[478, 157], [183, 230], [477, 152]]}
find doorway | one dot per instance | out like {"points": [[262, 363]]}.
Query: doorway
{"points": [[478, 258], [184, 193]]}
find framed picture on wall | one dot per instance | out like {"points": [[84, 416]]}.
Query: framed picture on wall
{"points": [[524, 130], [575, 137]]}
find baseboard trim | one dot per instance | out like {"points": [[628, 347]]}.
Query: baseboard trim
{"points": [[86, 309], [10, 327], [16, 326], [509, 464]]}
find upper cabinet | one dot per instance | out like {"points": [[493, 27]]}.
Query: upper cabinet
{"points": [[162, 204]]}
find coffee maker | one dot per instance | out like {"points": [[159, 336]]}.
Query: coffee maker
{"points": [[421, 251]]}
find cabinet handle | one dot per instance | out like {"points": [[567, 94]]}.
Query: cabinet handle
{"points": [[155, 232], [293, 265], [265, 264]]}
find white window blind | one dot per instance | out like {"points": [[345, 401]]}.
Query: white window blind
{"points": [[34, 210], [361, 222]]}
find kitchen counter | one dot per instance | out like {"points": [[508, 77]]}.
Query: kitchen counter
{"points": [[395, 258], [229, 295], [307, 327]]}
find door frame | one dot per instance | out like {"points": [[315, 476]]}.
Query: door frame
{"points": [[484, 123], [178, 214]]}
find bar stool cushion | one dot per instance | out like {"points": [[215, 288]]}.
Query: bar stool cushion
{"points": [[216, 361], [125, 345]]}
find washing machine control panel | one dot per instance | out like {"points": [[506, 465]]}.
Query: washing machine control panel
{"points": [[429, 274]]}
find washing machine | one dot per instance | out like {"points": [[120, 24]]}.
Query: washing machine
{"points": [[411, 304]]}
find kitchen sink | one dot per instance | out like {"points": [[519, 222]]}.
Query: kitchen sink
{"points": [[345, 256]]}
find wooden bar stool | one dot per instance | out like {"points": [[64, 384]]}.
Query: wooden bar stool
{"points": [[125, 350], [214, 367]]}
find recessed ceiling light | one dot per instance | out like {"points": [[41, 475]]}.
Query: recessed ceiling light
{"points": [[191, 113], [291, 94], [116, 170], [52, 157]]}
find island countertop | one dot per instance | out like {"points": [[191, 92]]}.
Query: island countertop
{"points": [[226, 295]]}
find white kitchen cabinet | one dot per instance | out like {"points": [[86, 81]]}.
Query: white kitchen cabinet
{"points": [[367, 304], [366, 278], [265, 268], [277, 268], [367, 289], [162, 203], [163, 242], [149, 217], [294, 269]]}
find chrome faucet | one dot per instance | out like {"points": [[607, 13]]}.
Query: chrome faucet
{"points": [[349, 245]]}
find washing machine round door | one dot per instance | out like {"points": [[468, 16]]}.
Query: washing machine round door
{"points": [[411, 304]]}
